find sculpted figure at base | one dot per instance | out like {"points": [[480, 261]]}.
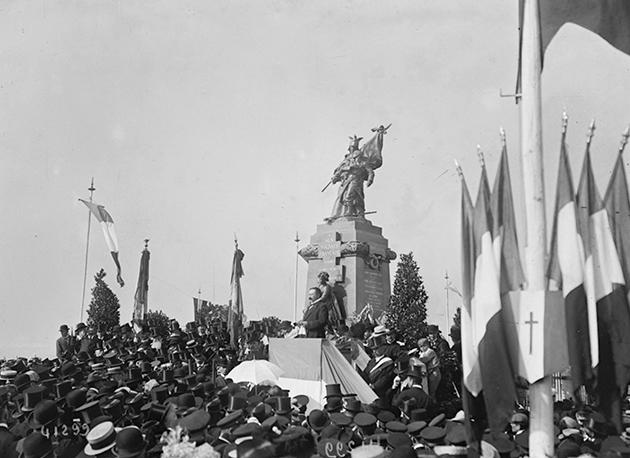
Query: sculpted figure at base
{"points": [[357, 168]]}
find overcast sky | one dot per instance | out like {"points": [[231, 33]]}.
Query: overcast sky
{"points": [[200, 120]]}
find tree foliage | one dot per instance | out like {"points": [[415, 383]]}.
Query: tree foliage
{"points": [[457, 318], [407, 309], [207, 313], [104, 308], [158, 320]]}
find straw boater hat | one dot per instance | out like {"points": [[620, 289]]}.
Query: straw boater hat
{"points": [[101, 438]]}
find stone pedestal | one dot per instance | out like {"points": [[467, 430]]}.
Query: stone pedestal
{"points": [[356, 256]]}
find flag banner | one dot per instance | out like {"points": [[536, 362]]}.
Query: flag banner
{"points": [[505, 240], [606, 298], [476, 419], [197, 305], [372, 150], [536, 330], [618, 208], [497, 375], [141, 298], [107, 224], [566, 270], [610, 19], [235, 312]]}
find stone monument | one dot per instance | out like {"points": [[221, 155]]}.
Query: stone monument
{"points": [[348, 246]]}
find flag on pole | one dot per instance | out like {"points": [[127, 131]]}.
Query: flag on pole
{"points": [[610, 19], [618, 208], [141, 298], [497, 375], [235, 312], [472, 398], [566, 269], [505, 240], [372, 150], [197, 304], [606, 299], [107, 224]]}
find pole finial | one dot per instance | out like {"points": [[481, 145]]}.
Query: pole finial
{"points": [[146, 244], [565, 122], [235, 241], [482, 161], [591, 133], [458, 169], [624, 139], [502, 133], [92, 188]]}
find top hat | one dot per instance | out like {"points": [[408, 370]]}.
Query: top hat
{"points": [[334, 404], [377, 341], [236, 403], [32, 396], [353, 406], [401, 366], [283, 405], [597, 424], [415, 372], [89, 411]]}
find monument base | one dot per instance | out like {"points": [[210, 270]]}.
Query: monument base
{"points": [[356, 256]]}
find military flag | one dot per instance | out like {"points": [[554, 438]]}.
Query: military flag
{"points": [[107, 224]]}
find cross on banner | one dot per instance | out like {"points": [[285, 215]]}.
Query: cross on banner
{"points": [[531, 324]]}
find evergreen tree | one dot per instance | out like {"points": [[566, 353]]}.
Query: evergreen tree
{"points": [[457, 318], [407, 310], [104, 309]]}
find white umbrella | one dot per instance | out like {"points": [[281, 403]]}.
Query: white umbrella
{"points": [[255, 371]]}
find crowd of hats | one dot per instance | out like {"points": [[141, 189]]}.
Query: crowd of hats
{"points": [[137, 401]]}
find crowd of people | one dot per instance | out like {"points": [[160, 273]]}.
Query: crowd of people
{"points": [[142, 393]]}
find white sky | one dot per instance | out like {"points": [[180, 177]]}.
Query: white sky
{"points": [[202, 119]]}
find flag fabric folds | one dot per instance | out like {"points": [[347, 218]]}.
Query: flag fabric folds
{"points": [[566, 269], [372, 150], [497, 375], [606, 299], [472, 398], [610, 19], [141, 298], [618, 208], [107, 224], [235, 312]]}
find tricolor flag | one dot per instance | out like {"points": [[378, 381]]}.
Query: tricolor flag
{"points": [[609, 317], [141, 298], [472, 398], [235, 311], [618, 208], [107, 224], [566, 269], [497, 377]]}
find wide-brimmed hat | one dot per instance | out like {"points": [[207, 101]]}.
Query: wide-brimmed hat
{"points": [[129, 442], [101, 438]]}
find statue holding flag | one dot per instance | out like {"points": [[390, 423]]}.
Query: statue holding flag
{"points": [[356, 168]]}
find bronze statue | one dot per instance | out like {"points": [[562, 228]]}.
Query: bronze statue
{"points": [[357, 167]]}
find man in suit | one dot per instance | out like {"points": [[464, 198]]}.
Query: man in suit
{"points": [[415, 391], [379, 372], [315, 316], [8, 440], [64, 344]]}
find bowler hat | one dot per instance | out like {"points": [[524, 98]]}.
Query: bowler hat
{"points": [[36, 445], [129, 442], [317, 420], [44, 413]]}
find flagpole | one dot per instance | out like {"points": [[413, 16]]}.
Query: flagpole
{"points": [[146, 299], [87, 249], [541, 401], [198, 305], [297, 249], [448, 314]]}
